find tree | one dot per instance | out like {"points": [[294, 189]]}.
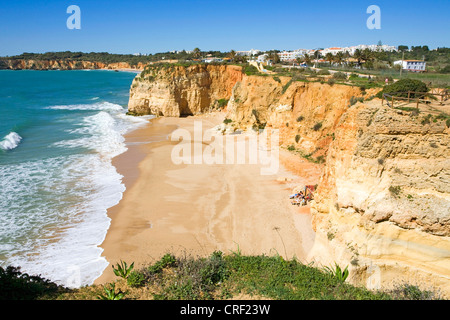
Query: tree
{"points": [[339, 57], [358, 56], [367, 55], [196, 53], [317, 54], [232, 55], [307, 59], [274, 57], [329, 57]]}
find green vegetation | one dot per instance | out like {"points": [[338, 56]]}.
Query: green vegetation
{"points": [[429, 118], [250, 70], [406, 291], [339, 76], [323, 72], [354, 100], [445, 117], [317, 126], [227, 121], [338, 273], [15, 285], [135, 279], [395, 191], [106, 57], [307, 156], [378, 64], [217, 276], [122, 269], [222, 102], [167, 260], [426, 119], [111, 294], [286, 86], [220, 277], [403, 86], [381, 64], [331, 81]]}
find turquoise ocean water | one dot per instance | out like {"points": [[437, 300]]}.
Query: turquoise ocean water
{"points": [[59, 131]]}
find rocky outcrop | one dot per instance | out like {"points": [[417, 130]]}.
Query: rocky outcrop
{"points": [[305, 113], [383, 202], [22, 64], [177, 90]]}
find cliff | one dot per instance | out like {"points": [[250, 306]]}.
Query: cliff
{"points": [[176, 90], [383, 201], [304, 112], [30, 64]]}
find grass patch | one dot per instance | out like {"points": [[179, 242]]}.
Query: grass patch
{"points": [[222, 102], [218, 276], [250, 70], [426, 119], [286, 86]]}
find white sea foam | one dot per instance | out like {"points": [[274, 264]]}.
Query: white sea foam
{"points": [[10, 141], [107, 106], [65, 230], [60, 238]]}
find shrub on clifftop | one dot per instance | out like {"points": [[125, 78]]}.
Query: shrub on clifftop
{"points": [[401, 88]]}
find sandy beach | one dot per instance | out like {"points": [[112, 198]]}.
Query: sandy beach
{"points": [[196, 209]]}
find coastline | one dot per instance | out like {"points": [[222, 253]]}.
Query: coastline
{"points": [[197, 209]]}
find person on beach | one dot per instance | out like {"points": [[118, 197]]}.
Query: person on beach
{"points": [[299, 199]]}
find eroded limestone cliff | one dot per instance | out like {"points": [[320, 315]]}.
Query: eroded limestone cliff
{"points": [[176, 90], [304, 112], [30, 64], [383, 201]]}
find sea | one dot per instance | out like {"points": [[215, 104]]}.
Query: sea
{"points": [[59, 131]]}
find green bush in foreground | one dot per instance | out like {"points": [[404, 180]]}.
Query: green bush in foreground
{"points": [[15, 285], [401, 88], [221, 277], [217, 276]]}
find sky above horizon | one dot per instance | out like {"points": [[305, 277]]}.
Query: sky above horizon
{"points": [[151, 26]]}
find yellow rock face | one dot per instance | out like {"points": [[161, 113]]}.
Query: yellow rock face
{"points": [[384, 199]]}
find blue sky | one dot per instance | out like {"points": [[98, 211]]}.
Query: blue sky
{"points": [[158, 26]]}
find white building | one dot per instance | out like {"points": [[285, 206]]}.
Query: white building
{"points": [[412, 65], [352, 49], [292, 55], [251, 52], [262, 58]]}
